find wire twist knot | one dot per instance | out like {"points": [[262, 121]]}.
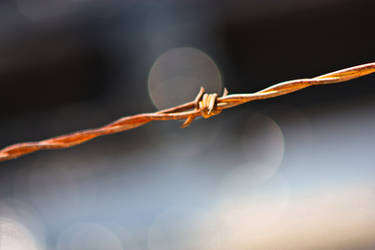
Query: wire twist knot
{"points": [[206, 104]]}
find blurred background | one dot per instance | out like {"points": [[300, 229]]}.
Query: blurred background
{"points": [[293, 172]]}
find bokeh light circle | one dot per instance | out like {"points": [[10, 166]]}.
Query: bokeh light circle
{"points": [[14, 236], [177, 75], [263, 145], [88, 236], [185, 228], [20, 226]]}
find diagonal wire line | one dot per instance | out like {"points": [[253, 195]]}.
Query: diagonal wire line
{"points": [[205, 105]]}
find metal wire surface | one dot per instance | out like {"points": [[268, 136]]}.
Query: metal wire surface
{"points": [[205, 105]]}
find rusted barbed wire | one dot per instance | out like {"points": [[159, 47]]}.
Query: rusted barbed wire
{"points": [[205, 105]]}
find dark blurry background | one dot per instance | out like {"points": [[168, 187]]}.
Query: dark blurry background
{"points": [[294, 172]]}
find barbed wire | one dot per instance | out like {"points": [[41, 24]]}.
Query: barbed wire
{"points": [[205, 105]]}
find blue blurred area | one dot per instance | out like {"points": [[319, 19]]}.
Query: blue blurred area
{"points": [[294, 172]]}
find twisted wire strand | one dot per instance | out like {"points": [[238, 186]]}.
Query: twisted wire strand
{"points": [[205, 105]]}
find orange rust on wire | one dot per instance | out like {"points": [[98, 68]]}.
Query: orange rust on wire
{"points": [[205, 105]]}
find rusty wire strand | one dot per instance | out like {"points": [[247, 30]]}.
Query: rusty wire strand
{"points": [[205, 105]]}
